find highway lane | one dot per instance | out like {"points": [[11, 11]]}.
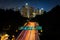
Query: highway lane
{"points": [[28, 35]]}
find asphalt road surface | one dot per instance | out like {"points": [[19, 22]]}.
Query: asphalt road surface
{"points": [[28, 35]]}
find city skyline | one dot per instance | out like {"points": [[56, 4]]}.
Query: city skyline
{"points": [[46, 4], [28, 11]]}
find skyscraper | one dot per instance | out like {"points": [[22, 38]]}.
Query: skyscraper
{"points": [[41, 11], [27, 7], [37, 11], [27, 11]]}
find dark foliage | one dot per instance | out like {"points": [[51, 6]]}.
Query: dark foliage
{"points": [[10, 17], [51, 23]]}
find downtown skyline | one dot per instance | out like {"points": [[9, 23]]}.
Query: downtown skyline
{"points": [[46, 4]]}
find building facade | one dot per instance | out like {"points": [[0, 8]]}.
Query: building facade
{"points": [[28, 11]]}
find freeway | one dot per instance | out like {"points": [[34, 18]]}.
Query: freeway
{"points": [[29, 34]]}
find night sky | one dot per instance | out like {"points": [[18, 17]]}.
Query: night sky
{"points": [[46, 4]]}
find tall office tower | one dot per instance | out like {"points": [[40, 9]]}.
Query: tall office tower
{"points": [[37, 11], [31, 11], [34, 14], [27, 7], [23, 11], [41, 11], [27, 11]]}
